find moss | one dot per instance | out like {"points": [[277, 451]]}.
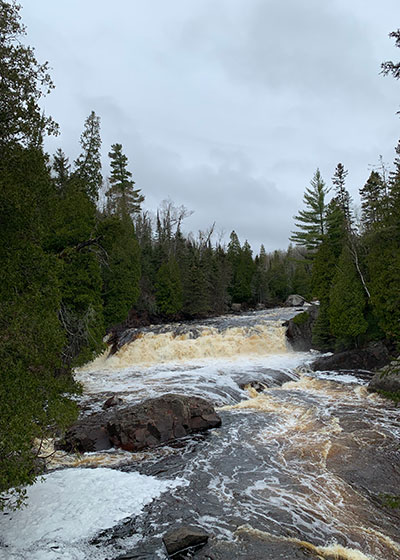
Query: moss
{"points": [[301, 318], [393, 396], [390, 501]]}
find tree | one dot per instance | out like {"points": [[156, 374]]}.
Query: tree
{"points": [[23, 82], [62, 169], [373, 201], [347, 302], [169, 288], [390, 67], [88, 163], [123, 198], [342, 195], [311, 221]]}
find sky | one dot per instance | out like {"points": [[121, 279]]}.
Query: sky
{"points": [[225, 106]]}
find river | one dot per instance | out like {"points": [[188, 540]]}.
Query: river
{"points": [[301, 460]]}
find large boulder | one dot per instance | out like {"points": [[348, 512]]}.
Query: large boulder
{"points": [[373, 356], [159, 420], [299, 329], [148, 424], [294, 300]]}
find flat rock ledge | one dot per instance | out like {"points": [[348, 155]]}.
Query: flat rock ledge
{"points": [[149, 424]]}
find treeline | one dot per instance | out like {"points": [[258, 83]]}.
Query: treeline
{"points": [[355, 264]]}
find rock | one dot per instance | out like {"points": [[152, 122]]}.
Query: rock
{"points": [[87, 434], [388, 379], [299, 329], [183, 539], [266, 379], [112, 401], [160, 420], [373, 356], [294, 300], [236, 307]]}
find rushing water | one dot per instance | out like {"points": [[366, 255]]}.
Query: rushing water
{"points": [[289, 464]]}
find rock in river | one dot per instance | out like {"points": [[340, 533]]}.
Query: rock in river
{"points": [[160, 420], [148, 424]]}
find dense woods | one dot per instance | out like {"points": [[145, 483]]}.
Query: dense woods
{"points": [[76, 264]]}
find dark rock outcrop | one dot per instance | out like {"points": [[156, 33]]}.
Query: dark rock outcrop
{"points": [[299, 329], [184, 539], [373, 356], [157, 421], [388, 379], [148, 424]]}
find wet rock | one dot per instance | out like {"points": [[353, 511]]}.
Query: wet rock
{"points": [[294, 300], [185, 539], [86, 435], [299, 329], [373, 356], [236, 307], [388, 379], [248, 546], [270, 378], [112, 401], [157, 421]]}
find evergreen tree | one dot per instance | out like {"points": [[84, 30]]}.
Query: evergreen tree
{"points": [[311, 221], [62, 169], [390, 67], [23, 83], [342, 196], [347, 303], [373, 201], [169, 288], [88, 163], [123, 198], [120, 268]]}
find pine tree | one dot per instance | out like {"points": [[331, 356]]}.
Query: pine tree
{"points": [[123, 198], [311, 221], [88, 163]]}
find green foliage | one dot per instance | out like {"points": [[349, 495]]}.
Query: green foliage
{"points": [[32, 391], [120, 269], [322, 338], [347, 301], [123, 198], [169, 288], [301, 318], [311, 221], [23, 83], [88, 163]]}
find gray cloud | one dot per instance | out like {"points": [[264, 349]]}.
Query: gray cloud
{"points": [[226, 107]]}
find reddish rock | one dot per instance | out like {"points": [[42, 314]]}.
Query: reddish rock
{"points": [[159, 420]]}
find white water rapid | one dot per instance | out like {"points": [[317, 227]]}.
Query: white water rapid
{"points": [[291, 466]]}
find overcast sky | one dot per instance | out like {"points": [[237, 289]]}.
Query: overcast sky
{"points": [[225, 106]]}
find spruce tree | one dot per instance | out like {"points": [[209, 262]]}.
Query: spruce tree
{"points": [[169, 288], [123, 198], [88, 163]]}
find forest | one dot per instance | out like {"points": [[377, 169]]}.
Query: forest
{"points": [[81, 258]]}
